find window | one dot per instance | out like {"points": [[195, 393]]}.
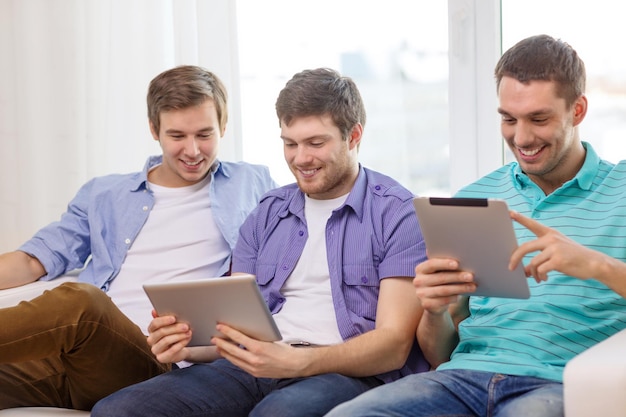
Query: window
{"points": [[397, 53]]}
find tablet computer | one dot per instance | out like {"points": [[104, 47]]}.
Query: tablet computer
{"points": [[479, 234], [234, 300]]}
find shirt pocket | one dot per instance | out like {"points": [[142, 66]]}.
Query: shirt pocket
{"points": [[360, 289]]}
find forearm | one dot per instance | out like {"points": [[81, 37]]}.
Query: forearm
{"points": [[372, 353], [612, 273], [18, 268], [437, 337]]}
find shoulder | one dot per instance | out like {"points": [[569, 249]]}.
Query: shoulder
{"points": [[113, 182], [280, 195], [497, 182], [384, 187], [244, 168]]}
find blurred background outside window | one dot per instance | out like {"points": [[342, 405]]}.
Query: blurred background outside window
{"points": [[397, 53]]}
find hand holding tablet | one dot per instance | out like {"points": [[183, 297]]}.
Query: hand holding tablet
{"points": [[479, 234], [234, 300]]}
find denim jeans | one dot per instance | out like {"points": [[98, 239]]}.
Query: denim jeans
{"points": [[222, 389], [459, 393], [69, 347]]}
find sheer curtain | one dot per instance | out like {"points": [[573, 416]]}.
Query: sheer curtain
{"points": [[73, 80]]}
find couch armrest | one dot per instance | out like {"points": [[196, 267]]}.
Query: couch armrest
{"points": [[594, 382], [12, 296]]}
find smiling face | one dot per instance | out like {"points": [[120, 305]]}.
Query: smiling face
{"points": [[324, 164], [189, 139], [541, 130]]}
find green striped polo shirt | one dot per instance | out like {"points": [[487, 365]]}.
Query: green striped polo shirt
{"points": [[564, 315]]}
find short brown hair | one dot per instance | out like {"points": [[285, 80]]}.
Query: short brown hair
{"points": [[544, 58], [182, 87], [318, 92]]}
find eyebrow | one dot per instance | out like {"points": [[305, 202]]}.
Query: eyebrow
{"points": [[309, 138], [206, 129], [541, 112]]}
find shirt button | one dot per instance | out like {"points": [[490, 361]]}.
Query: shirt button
{"points": [[377, 187], [364, 279], [127, 241], [284, 267], [145, 208], [301, 233]]}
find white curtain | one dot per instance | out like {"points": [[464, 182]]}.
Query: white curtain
{"points": [[73, 80]]}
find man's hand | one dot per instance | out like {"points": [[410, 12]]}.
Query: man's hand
{"points": [[556, 253], [261, 359], [168, 338], [439, 283]]}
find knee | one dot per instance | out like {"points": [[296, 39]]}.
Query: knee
{"points": [[91, 301], [112, 406], [102, 409]]}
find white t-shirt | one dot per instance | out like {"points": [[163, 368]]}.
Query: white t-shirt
{"points": [[309, 313], [180, 241]]}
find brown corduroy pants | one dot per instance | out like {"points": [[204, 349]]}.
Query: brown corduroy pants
{"points": [[70, 347]]}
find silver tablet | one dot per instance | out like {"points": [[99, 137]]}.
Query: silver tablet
{"points": [[234, 300], [479, 234]]}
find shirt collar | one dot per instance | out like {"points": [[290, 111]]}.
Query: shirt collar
{"points": [[355, 200], [141, 180]]}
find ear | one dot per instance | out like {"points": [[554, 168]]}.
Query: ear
{"points": [[580, 109], [355, 136], [222, 131], [155, 134]]}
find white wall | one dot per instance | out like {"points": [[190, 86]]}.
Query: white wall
{"points": [[73, 80]]}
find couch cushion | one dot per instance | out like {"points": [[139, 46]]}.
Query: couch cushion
{"points": [[42, 412]]}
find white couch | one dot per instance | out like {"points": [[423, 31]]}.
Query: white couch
{"points": [[594, 381]]}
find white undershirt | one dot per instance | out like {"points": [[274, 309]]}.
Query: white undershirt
{"points": [[309, 313], [180, 241]]}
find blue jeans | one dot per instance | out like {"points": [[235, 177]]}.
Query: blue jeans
{"points": [[459, 393], [222, 389]]}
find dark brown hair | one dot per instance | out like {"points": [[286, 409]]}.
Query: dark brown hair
{"points": [[319, 92], [544, 58]]}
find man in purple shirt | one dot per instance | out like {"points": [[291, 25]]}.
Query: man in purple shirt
{"points": [[334, 255]]}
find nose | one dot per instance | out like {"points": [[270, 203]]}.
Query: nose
{"points": [[301, 155], [191, 147], [523, 134]]}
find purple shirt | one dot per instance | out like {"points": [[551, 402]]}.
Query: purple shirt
{"points": [[372, 236]]}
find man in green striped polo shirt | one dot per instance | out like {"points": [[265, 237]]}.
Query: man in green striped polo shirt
{"points": [[505, 357]]}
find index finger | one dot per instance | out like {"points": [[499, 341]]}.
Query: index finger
{"points": [[159, 322], [231, 334], [534, 226]]}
